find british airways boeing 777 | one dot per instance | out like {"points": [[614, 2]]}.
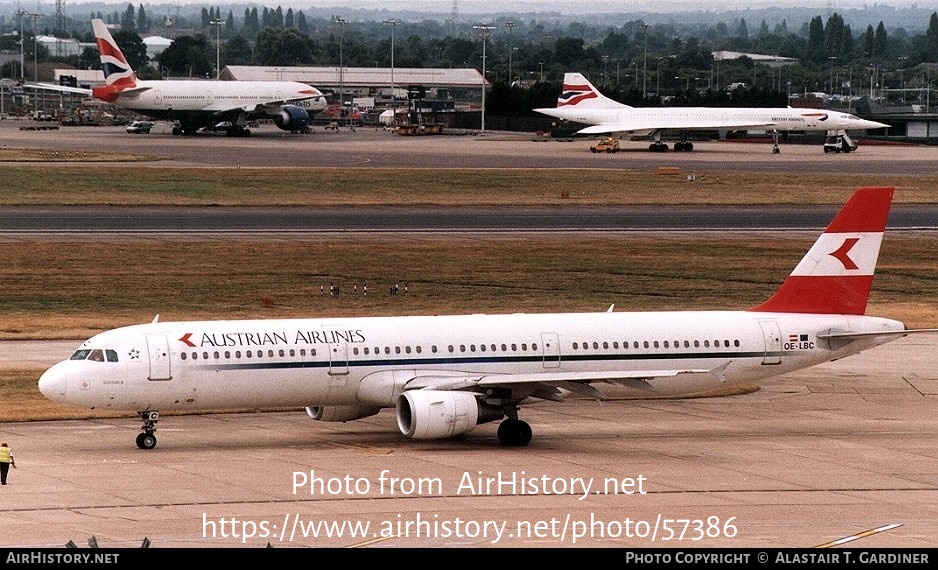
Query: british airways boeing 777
{"points": [[194, 104]]}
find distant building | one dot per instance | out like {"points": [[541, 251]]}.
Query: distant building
{"points": [[463, 84], [59, 47], [769, 60], [155, 46]]}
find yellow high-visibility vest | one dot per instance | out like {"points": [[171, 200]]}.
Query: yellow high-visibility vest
{"points": [[5, 455]]}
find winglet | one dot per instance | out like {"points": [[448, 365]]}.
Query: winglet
{"points": [[836, 274]]}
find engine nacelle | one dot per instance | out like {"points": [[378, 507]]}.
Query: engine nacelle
{"points": [[292, 118], [340, 413], [430, 414]]}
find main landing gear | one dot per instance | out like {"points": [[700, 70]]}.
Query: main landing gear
{"points": [[681, 146], [146, 439], [514, 432]]}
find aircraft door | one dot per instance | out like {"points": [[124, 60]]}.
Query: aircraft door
{"points": [[158, 98], [773, 342], [550, 345], [338, 353], [158, 350]]}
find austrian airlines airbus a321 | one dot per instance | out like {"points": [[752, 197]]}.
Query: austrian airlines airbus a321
{"points": [[194, 104], [446, 374], [581, 102]]}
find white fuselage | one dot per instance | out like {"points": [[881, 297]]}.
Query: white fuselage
{"points": [[166, 99], [650, 119], [369, 361]]}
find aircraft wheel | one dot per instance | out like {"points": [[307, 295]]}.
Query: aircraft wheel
{"points": [[146, 441], [515, 433], [688, 146]]}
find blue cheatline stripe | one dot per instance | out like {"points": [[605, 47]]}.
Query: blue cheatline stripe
{"points": [[445, 361]]}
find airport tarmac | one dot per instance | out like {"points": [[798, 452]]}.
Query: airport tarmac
{"points": [[813, 457], [843, 451], [377, 148]]}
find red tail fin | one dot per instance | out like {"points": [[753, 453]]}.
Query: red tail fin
{"points": [[836, 274]]}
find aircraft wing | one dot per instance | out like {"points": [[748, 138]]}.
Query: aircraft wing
{"points": [[272, 107], [672, 123], [57, 88], [546, 384]]}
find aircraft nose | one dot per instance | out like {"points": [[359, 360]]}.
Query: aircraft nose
{"points": [[53, 383]]}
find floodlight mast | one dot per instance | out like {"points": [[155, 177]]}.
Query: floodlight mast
{"points": [[485, 34]]}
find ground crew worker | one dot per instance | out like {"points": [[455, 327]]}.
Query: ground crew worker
{"points": [[6, 460]]}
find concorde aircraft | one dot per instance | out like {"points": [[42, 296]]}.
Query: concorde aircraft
{"points": [[445, 374], [581, 102], [198, 103]]}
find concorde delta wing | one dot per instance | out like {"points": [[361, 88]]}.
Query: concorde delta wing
{"points": [[673, 123]]}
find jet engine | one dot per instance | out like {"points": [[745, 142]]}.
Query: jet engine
{"points": [[429, 414], [292, 118], [340, 413]]}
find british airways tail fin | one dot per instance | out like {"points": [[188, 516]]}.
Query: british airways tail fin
{"points": [[836, 274], [118, 74], [580, 93]]}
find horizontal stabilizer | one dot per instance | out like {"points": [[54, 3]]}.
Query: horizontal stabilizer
{"points": [[847, 335]]}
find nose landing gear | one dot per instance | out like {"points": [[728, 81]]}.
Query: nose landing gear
{"points": [[146, 439]]}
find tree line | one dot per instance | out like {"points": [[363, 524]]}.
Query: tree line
{"points": [[634, 62]]}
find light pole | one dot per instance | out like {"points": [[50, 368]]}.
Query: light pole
{"points": [[485, 34], [645, 61], [34, 16], [832, 58], [605, 60], [341, 22], [392, 24], [218, 24], [21, 13], [510, 25]]}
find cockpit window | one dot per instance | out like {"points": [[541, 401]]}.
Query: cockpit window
{"points": [[95, 355], [80, 354]]}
